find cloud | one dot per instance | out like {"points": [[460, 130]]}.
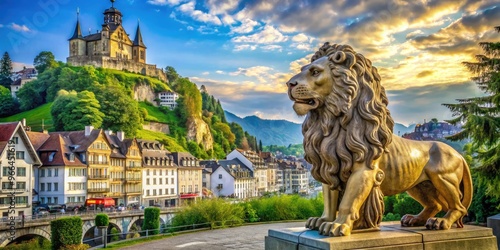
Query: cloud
{"points": [[221, 6], [247, 26], [220, 72], [414, 34], [300, 38], [165, 2], [272, 47], [425, 73], [188, 9], [268, 35], [20, 28], [244, 47], [206, 73], [1, 25]]}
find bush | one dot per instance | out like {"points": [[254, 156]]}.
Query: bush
{"points": [[287, 207], [115, 234], [151, 220], [75, 247], [391, 217], [36, 243], [101, 220], [210, 212], [66, 231]]}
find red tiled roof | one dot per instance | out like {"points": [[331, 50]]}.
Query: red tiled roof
{"points": [[58, 146], [37, 138], [6, 131]]}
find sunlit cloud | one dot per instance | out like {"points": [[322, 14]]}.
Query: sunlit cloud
{"points": [[188, 9], [268, 35], [20, 28]]}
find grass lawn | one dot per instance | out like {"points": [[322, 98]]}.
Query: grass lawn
{"points": [[34, 118], [169, 142]]}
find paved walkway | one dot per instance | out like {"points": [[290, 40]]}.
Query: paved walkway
{"points": [[242, 238]]}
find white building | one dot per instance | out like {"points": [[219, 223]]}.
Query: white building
{"points": [[292, 177], [18, 159], [231, 178], [159, 175], [256, 164], [20, 78], [168, 99]]}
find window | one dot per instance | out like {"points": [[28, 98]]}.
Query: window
{"points": [[5, 171], [166, 180], [147, 181], [20, 185], [56, 172], [154, 192], [5, 185], [49, 186], [172, 191], [160, 190], [51, 156], [15, 139], [42, 200], [49, 172], [160, 180], [190, 188], [147, 192], [172, 172], [56, 200], [147, 171], [42, 186], [154, 172], [196, 188], [183, 189], [49, 200], [220, 176], [19, 154], [172, 181], [21, 171], [56, 186], [72, 157], [154, 181]]}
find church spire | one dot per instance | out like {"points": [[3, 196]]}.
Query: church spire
{"points": [[78, 31], [138, 37]]}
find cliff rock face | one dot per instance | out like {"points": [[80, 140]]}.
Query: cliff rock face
{"points": [[198, 131], [144, 92]]}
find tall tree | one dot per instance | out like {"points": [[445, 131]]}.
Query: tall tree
{"points": [[171, 74], [73, 111], [5, 70], [44, 60], [480, 115], [7, 104]]}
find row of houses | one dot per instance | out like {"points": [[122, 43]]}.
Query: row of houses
{"points": [[70, 167]]}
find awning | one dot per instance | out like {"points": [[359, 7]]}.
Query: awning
{"points": [[185, 196]]}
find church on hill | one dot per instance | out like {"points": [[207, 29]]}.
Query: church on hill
{"points": [[111, 47]]}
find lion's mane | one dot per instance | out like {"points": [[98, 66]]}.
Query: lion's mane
{"points": [[353, 124]]}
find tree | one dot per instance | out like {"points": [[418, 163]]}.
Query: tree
{"points": [[171, 74], [44, 60], [480, 115], [8, 106], [73, 111], [5, 70]]}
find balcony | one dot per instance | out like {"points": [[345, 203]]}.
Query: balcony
{"points": [[117, 179], [98, 177], [134, 168], [133, 191], [98, 190], [16, 190], [18, 205], [133, 179], [115, 194], [98, 162]]}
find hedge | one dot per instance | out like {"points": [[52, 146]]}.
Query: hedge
{"points": [[101, 220], [66, 231], [151, 220]]}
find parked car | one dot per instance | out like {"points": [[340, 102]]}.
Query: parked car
{"points": [[41, 212]]}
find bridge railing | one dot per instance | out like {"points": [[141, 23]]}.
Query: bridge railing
{"points": [[44, 218]]}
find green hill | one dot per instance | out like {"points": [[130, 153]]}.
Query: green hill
{"points": [[34, 118]]}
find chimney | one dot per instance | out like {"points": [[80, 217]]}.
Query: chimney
{"points": [[88, 130], [23, 122], [120, 135], [108, 132]]}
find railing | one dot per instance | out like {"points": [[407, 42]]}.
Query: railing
{"points": [[134, 191], [98, 177], [16, 190], [118, 179], [99, 162], [133, 179], [98, 190], [134, 168]]}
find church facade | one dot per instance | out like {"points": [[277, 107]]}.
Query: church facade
{"points": [[111, 47]]}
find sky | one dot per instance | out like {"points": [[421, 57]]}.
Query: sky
{"points": [[245, 51]]}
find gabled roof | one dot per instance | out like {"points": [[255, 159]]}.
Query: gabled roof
{"points": [[78, 138], [7, 131], [117, 146], [179, 156], [37, 138], [56, 152]]}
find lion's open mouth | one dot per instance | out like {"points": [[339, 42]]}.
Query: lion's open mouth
{"points": [[311, 101]]}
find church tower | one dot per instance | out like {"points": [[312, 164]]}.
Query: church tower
{"points": [[138, 47], [77, 45], [112, 16]]}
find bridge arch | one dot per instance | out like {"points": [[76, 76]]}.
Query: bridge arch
{"points": [[24, 232]]}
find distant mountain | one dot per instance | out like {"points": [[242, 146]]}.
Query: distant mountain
{"points": [[270, 132], [283, 132]]}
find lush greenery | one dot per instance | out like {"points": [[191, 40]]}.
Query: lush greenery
{"points": [[8, 105], [101, 220], [35, 243], [5, 70], [292, 149], [73, 111], [210, 212], [66, 231], [151, 220], [37, 118], [481, 119], [115, 234]]}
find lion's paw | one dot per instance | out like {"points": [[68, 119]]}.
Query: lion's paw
{"points": [[437, 223], [315, 222], [334, 229], [412, 221]]}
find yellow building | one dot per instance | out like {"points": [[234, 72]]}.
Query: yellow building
{"points": [[189, 177]]}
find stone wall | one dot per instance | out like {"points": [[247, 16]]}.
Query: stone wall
{"points": [[119, 64], [157, 126]]}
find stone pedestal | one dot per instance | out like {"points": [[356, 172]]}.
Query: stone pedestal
{"points": [[493, 222], [390, 236]]}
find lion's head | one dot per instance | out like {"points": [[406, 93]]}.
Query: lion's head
{"points": [[347, 117]]}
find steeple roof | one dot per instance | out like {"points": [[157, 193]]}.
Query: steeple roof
{"points": [[138, 38], [78, 31]]}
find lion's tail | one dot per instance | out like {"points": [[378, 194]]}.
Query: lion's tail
{"points": [[466, 188]]}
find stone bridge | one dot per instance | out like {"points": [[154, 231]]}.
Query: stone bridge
{"points": [[41, 227]]}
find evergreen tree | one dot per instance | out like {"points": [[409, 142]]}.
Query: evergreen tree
{"points": [[5, 70], [480, 115], [260, 145]]}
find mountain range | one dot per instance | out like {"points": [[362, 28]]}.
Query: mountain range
{"points": [[283, 132]]}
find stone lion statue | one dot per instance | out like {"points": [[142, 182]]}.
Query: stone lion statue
{"points": [[349, 141]]}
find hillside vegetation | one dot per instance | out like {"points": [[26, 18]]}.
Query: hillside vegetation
{"points": [[68, 98]]}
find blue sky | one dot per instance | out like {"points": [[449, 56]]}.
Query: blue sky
{"points": [[245, 51]]}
